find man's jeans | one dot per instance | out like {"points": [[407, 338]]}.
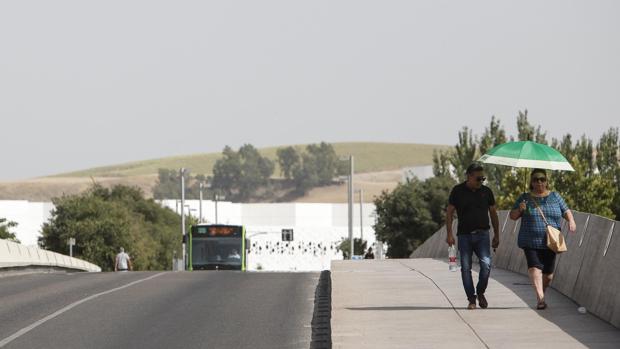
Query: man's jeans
{"points": [[478, 243]]}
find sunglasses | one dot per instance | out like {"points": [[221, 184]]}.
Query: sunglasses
{"points": [[481, 179], [539, 179]]}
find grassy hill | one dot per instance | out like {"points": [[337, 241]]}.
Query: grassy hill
{"points": [[378, 166], [369, 157]]}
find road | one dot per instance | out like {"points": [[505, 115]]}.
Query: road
{"points": [[157, 310]]}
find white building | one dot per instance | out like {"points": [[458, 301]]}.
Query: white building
{"points": [[318, 228]]}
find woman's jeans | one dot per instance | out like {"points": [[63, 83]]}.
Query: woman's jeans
{"points": [[479, 243]]}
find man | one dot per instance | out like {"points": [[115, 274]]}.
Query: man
{"points": [[369, 254], [123, 262], [474, 203]]}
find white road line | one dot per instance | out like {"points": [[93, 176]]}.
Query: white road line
{"points": [[27, 329]]}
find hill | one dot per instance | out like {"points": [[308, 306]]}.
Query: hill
{"points": [[369, 157], [379, 162]]}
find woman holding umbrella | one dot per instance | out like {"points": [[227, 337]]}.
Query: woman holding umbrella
{"points": [[533, 235]]}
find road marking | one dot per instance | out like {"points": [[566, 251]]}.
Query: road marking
{"points": [[27, 329]]}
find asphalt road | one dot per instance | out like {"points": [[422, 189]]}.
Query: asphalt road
{"points": [[157, 310]]}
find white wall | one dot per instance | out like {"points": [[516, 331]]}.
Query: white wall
{"points": [[312, 224], [29, 217]]}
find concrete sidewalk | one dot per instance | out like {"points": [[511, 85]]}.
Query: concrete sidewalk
{"points": [[418, 303]]}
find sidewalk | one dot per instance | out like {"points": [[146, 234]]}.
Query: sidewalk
{"points": [[418, 303]]}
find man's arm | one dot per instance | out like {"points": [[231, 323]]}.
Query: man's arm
{"points": [[129, 263], [495, 223], [449, 217], [116, 264]]}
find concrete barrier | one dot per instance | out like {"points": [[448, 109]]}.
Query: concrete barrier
{"points": [[566, 263], [589, 283], [609, 305], [14, 255], [588, 273]]}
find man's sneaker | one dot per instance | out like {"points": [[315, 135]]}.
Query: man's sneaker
{"points": [[472, 303], [482, 301]]}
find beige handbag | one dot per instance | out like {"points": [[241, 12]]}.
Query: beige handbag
{"points": [[555, 239]]}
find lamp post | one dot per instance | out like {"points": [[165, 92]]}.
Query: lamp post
{"points": [[182, 173], [350, 202], [202, 185]]}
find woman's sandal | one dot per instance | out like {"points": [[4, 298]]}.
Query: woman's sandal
{"points": [[541, 305]]}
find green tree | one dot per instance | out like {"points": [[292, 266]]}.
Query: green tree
{"points": [[493, 136], [227, 172], [240, 174], [527, 131], [608, 163], [168, 185], [411, 213], [102, 220], [318, 167], [359, 247], [465, 152], [288, 158], [5, 230]]}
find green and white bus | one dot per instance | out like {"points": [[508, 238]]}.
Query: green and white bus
{"points": [[217, 247]]}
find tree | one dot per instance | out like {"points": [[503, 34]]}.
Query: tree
{"points": [[359, 247], [240, 174], [102, 220], [5, 230], [608, 163], [288, 158], [169, 184], [465, 152], [493, 136], [527, 132], [227, 172], [411, 213], [318, 167], [255, 171]]}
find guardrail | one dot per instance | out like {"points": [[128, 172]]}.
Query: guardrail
{"points": [[14, 255], [589, 273]]}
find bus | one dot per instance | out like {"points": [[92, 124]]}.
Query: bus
{"points": [[217, 247]]}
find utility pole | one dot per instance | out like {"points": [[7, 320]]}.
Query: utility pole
{"points": [[183, 215], [202, 185], [351, 205]]}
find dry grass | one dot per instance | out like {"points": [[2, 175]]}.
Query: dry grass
{"points": [[369, 157], [377, 168]]}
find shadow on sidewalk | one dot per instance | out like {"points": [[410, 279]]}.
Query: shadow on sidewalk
{"points": [[588, 329], [426, 308]]}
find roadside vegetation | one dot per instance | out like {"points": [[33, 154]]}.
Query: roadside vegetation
{"points": [[102, 220], [413, 211]]}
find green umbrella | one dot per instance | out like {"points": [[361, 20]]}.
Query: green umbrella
{"points": [[527, 154]]}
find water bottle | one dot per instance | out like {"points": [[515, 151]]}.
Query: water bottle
{"points": [[452, 258]]}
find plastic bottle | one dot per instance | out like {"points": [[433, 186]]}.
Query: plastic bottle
{"points": [[452, 266]]}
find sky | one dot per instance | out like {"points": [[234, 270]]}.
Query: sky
{"points": [[93, 83]]}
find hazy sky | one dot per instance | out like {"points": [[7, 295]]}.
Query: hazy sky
{"points": [[90, 83]]}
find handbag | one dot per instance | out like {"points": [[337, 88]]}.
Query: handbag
{"points": [[555, 239]]}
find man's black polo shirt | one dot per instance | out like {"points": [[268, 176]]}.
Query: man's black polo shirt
{"points": [[472, 207]]}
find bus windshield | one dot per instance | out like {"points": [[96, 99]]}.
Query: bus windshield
{"points": [[221, 251]]}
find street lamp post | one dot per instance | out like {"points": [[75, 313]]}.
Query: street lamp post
{"points": [[351, 205], [202, 185], [350, 202], [182, 172]]}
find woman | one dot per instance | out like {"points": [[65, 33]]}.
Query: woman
{"points": [[533, 233]]}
